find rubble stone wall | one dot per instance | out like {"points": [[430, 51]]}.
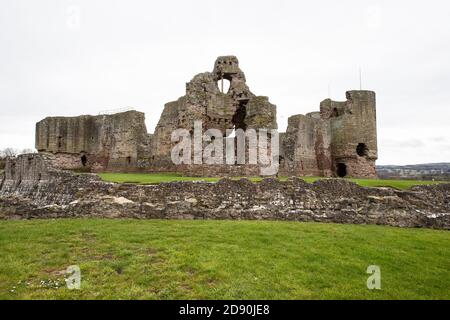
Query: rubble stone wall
{"points": [[32, 188]]}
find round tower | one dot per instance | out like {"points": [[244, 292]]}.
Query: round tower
{"points": [[354, 135]]}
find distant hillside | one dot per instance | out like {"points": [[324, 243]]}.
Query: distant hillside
{"points": [[426, 171]]}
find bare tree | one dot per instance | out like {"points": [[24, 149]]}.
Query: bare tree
{"points": [[9, 152], [13, 152]]}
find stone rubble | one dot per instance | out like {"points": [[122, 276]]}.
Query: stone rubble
{"points": [[31, 187]]}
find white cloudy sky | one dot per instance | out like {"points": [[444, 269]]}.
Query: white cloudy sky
{"points": [[69, 57]]}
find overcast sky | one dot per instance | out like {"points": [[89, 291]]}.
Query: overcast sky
{"points": [[61, 57]]}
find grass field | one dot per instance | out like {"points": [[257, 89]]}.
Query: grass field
{"points": [[152, 178], [161, 259]]}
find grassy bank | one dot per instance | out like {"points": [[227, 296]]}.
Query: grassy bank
{"points": [[152, 178], [155, 259]]}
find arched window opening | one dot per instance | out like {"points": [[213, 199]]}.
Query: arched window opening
{"points": [[335, 113], [224, 85], [362, 150]]}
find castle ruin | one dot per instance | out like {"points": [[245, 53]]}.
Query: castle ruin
{"points": [[339, 140]]}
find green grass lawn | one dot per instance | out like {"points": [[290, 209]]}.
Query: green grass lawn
{"points": [[152, 178], [170, 259]]}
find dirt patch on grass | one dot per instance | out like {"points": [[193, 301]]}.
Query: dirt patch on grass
{"points": [[56, 272], [152, 251]]}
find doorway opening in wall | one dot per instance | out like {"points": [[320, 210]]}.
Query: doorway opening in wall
{"points": [[128, 160], [341, 170], [239, 116], [84, 160], [362, 150]]}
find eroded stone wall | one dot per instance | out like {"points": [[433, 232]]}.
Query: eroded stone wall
{"points": [[114, 142], [205, 101], [340, 140], [33, 188]]}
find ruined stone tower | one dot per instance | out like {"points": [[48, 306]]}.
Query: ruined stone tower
{"points": [[206, 101], [340, 140]]}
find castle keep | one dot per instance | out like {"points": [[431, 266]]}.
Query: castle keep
{"points": [[339, 140]]}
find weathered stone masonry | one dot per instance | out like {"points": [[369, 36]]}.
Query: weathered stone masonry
{"points": [[32, 188], [114, 142], [340, 140]]}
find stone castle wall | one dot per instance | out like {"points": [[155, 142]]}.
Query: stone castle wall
{"points": [[104, 142], [340, 140], [238, 108], [32, 188]]}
